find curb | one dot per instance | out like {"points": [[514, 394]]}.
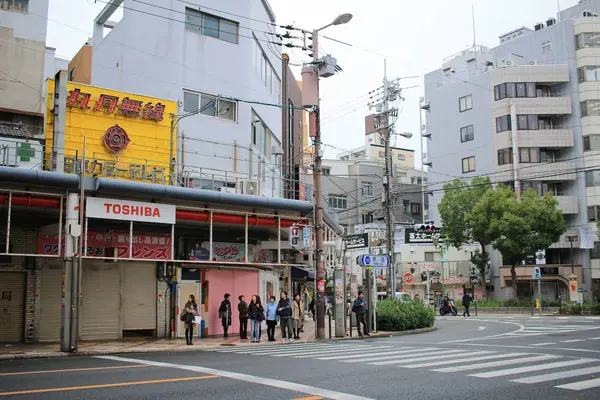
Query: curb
{"points": [[84, 353]]}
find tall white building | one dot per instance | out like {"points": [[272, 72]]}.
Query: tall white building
{"points": [[203, 54], [549, 75]]}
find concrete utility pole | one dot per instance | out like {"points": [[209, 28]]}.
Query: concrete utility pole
{"points": [[318, 186]]}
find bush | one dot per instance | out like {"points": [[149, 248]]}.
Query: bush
{"points": [[575, 309], [394, 315]]}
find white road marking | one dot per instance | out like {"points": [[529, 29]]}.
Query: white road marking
{"points": [[494, 364], [582, 385], [417, 359], [572, 341], [353, 350], [527, 347], [407, 354], [278, 348], [543, 344], [558, 375], [462, 360], [292, 350], [437, 355], [481, 328], [531, 368], [252, 379], [320, 351], [521, 327], [386, 353], [594, 338]]}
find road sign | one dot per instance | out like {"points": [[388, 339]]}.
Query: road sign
{"points": [[306, 237], [360, 241], [321, 286], [374, 261], [408, 278], [536, 273]]}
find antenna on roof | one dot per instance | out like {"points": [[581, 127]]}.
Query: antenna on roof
{"points": [[474, 37], [558, 14]]}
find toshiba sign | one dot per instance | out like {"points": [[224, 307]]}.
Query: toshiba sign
{"points": [[126, 210]]}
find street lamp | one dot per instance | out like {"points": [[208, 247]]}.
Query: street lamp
{"points": [[571, 239], [318, 181], [406, 135]]}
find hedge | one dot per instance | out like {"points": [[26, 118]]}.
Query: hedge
{"points": [[575, 309], [394, 315]]}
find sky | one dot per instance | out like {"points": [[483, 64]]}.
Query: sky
{"points": [[413, 36]]}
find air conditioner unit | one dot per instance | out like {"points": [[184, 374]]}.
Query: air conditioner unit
{"points": [[226, 189], [250, 187], [532, 62]]}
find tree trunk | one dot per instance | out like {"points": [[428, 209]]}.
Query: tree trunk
{"points": [[513, 275]]}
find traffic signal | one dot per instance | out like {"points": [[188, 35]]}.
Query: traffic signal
{"points": [[294, 236], [536, 273], [423, 227]]}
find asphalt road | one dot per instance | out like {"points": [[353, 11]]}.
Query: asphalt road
{"points": [[479, 358]]}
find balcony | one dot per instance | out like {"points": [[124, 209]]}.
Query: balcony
{"points": [[549, 138], [547, 74], [553, 171], [551, 104], [568, 204]]}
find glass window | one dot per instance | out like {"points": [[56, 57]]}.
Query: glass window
{"points": [[592, 213], [521, 90], [546, 46], [510, 90], [497, 92], [502, 91], [592, 178], [227, 109], [228, 31], [465, 103], [531, 90], [190, 102], [503, 123], [468, 164], [532, 122], [193, 20], [210, 25], [415, 208], [467, 134], [338, 202], [208, 105], [382, 154], [401, 157], [524, 155], [590, 108], [367, 189], [521, 121]]}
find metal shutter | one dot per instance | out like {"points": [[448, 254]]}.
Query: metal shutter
{"points": [[139, 296], [101, 291], [12, 306], [50, 304]]}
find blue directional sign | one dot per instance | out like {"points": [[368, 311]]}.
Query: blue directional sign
{"points": [[374, 261]]}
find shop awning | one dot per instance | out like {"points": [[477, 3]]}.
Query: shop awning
{"points": [[301, 273]]}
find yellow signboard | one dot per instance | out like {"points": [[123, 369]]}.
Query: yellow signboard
{"points": [[127, 136]]}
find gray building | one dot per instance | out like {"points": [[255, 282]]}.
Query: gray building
{"points": [[528, 111]]}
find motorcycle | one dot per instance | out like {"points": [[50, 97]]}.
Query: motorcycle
{"points": [[449, 309]]}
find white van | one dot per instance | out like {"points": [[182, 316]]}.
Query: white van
{"points": [[402, 296]]}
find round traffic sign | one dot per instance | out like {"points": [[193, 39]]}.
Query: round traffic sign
{"points": [[321, 286], [408, 278]]}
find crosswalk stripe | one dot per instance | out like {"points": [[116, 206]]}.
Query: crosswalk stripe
{"points": [[406, 354], [493, 364], [258, 350], [558, 375], [531, 368], [352, 350], [463, 360], [594, 338], [370, 354], [269, 347], [435, 355], [446, 356], [582, 385], [572, 341], [307, 352], [543, 344]]}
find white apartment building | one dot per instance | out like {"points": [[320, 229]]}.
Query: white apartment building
{"points": [[548, 74], [218, 61]]}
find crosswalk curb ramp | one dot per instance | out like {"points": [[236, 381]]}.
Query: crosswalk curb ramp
{"points": [[562, 372]]}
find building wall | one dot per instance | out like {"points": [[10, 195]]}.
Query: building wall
{"points": [[80, 67], [292, 131], [160, 58]]}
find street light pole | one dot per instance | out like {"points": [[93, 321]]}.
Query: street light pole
{"points": [[318, 187]]}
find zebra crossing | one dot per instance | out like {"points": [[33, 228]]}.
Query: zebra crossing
{"points": [[566, 373], [537, 329]]}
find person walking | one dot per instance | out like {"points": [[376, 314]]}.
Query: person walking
{"points": [[311, 308], [360, 308], [284, 312], [466, 300], [190, 311], [271, 316], [225, 314], [243, 313], [297, 316], [256, 315]]}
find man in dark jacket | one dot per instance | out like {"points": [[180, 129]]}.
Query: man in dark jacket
{"points": [[243, 311], [360, 308], [284, 312], [466, 300]]}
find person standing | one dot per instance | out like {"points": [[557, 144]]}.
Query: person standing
{"points": [[191, 310], [466, 300], [297, 316], [256, 315], [284, 311], [225, 314], [271, 316], [360, 309], [243, 311]]}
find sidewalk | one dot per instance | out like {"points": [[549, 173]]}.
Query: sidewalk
{"points": [[135, 345]]}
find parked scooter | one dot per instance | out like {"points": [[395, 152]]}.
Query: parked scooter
{"points": [[448, 307]]}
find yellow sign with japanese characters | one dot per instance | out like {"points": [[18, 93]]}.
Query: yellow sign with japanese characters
{"points": [[127, 136]]}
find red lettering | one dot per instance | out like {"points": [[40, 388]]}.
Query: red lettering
{"points": [[117, 209], [156, 212], [135, 210], [107, 205]]}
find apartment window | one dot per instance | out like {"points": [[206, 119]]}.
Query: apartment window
{"points": [[211, 25], [465, 103], [467, 134], [593, 213], [527, 122], [15, 5], [549, 156], [210, 105], [326, 171], [401, 157], [503, 123], [263, 138], [546, 46], [468, 164], [265, 70], [585, 40], [591, 142], [415, 208], [529, 154], [429, 256], [72, 74], [590, 73], [511, 90], [338, 202], [382, 154], [367, 189], [590, 108], [505, 156], [592, 178], [367, 218]]}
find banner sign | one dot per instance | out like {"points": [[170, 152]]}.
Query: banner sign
{"points": [[127, 210], [422, 236], [359, 241], [228, 252]]}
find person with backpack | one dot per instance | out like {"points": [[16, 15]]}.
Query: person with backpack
{"points": [[284, 312]]}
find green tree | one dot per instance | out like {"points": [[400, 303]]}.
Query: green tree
{"points": [[460, 225], [526, 226]]}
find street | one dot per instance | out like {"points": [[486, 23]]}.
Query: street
{"points": [[493, 357]]}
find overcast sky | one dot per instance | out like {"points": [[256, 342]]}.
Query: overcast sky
{"points": [[414, 36]]}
